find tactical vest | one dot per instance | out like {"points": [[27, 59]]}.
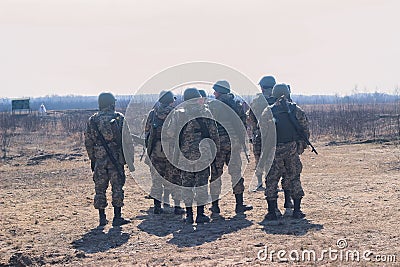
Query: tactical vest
{"points": [[227, 119], [285, 130]]}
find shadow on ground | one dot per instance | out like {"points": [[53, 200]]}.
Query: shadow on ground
{"points": [[191, 236], [289, 226], [187, 235], [96, 240]]}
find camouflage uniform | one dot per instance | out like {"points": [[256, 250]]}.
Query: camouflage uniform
{"points": [[104, 171], [287, 160], [190, 137], [161, 168], [257, 106], [229, 152]]}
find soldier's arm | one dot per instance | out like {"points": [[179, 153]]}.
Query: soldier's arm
{"points": [[213, 130], [147, 126], [90, 140], [303, 121], [251, 119]]}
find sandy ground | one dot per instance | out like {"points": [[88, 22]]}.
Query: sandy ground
{"points": [[47, 216]]}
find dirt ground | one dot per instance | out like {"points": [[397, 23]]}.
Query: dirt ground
{"points": [[47, 216]]}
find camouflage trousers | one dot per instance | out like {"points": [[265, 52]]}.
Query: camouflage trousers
{"points": [[105, 173], [257, 146], [234, 162], [164, 176], [195, 187], [286, 163]]}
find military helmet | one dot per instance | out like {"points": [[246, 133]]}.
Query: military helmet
{"points": [[267, 82], [106, 99], [166, 97], [222, 87], [280, 89], [202, 93], [191, 93]]}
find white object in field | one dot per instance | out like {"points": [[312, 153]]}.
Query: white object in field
{"points": [[42, 110]]}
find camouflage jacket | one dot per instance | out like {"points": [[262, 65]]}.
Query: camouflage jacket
{"points": [[110, 125], [192, 132], [153, 127]]}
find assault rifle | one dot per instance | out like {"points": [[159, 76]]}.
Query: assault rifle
{"points": [[297, 126]]}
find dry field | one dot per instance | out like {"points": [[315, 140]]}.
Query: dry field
{"points": [[47, 216]]}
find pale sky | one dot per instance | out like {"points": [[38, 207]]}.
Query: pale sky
{"points": [[83, 47]]}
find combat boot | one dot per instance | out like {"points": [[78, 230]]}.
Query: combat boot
{"points": [[271, 215], [118, 220], [240, 207], [157, 207], [215, 207], [177, 208], [297, 213], [288, 200], [201, 217], [189, 215], [166, 199], [102, 217]]}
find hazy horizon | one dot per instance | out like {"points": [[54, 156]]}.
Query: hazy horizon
{"points": [[84, 47]]}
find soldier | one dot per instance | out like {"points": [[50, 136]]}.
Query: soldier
{"points": [[230, 147], [287, 162], [103, 142], [194, 131], [161, 168], [257, 106], [260, 102]]}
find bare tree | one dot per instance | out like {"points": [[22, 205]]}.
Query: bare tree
{"points": [[7, 131]]}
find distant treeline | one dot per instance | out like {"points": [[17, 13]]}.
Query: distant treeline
{"points": [[90, 102]]}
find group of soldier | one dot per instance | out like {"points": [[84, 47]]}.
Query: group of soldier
{"points": [[185, 127]]}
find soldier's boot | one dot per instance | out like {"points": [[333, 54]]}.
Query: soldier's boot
{"points": [[177, 208], [297, 213], [240, 207], [215, 207], [166, 199], [157, 207], [118, 220], [189, 215], [288, 200], [271, 215], [102, 217], [201, 217]]}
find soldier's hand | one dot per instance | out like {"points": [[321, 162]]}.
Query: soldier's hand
{"points": [[92, 165], [301, 146]]}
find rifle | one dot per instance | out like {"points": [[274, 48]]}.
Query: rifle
{"points": [[297, 126], [149, 140], [117, 166]]}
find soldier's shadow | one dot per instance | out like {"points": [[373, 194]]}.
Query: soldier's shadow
{"points": [[289, 226], [191, 236], [160, 224], [97, 240]]}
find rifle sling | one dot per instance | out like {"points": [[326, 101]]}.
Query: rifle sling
{"points": [[108, 150]]}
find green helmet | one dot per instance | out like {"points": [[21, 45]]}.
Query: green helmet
{"points": [[202, 93], [267, 82], [280, 89], [105, 100], [222, 87], [166, 97], [191, 93]]}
